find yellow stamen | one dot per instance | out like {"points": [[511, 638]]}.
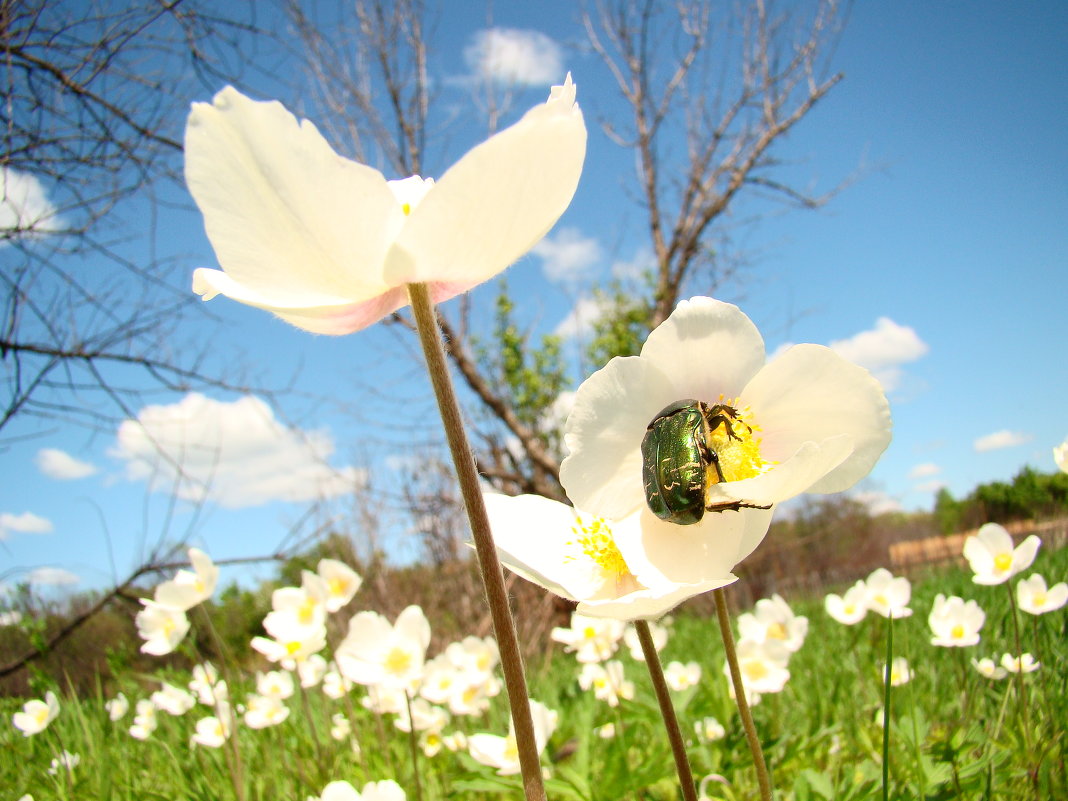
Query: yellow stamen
{"points": [[292, 647], [596, 542], [754, 669], [735, 442], [1002, 562], [406, 208], [398, 661], [777, 631], [957, 632]]}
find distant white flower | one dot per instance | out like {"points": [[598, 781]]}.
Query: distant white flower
{"points": [[335, 685], [262, 711], [161, 627], [173, 700], [1025, 663], [709, 730], [205, 683], [341, 728], [681, 677], [850, 608], [992, 557], [990, 669], [658, 632], [117, 707], [591, 639], [298, 612], [341, 581], [312, 669], [275, 684], [607, 682], [888, 595], [299, 646], [11, 618], [145, 720], [189, 588], [954, 622], [502, 753], [387, 790], [1060, 455], [762, 665], [213, 731], [425, 716], [772, 619], [65, 761], [455, 741], [376, 652], [36, 715], [606, 732], [900, 672], [1035, 599]]}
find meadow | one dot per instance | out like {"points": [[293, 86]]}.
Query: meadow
{"points": [[954, 733]]}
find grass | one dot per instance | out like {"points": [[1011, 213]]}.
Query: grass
{"points": [[954, 734]]}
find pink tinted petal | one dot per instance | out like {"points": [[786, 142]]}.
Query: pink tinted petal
{"points": [[706, 348], [650, 604]]}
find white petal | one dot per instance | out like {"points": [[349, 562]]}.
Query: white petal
{"points": [[496, 202], [810, 393], [707, 349], [284, 213], [650, 604], [1025, 553], [613, 407]]}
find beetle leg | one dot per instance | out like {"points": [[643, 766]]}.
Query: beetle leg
{"points": [[713, 457]]}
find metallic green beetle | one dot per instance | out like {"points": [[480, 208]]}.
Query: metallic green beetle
{"points": [[678, 462]]}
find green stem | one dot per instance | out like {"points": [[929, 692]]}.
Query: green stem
{"points": [[413, 747], [667, 710], [886, 705], [489, 565], [722, 613]]}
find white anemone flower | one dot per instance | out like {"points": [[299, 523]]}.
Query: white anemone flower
{"points": [[335, 685], [607, 682], [709, 730], [65, 761], [502, 753], [36, 715], [145, 720], [888, 594], [275, 684], [1024, 663], [1035, 599], [328, 244], [298, 647], [808, 421], [989, 668], [262, 711], [206, 685], [638, 567], [955, 623], [772, 619], [213, 731], [383, 654], [900, 672], [173, 700], [993, 559], [425, 716], [341, 728], [117, 707], [189, 587], [762, 665], [297, 609], [387, 790], [850, 608], [341, 582], [681, 677], [161, 627], [312, 669], [659, 634], [591, 639], [1060, 455]]}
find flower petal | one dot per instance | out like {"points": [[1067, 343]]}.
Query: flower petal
{"points": [[707, 349], [497, 201], [603, 472], [285, 214], [650, 604], [811, 394]]}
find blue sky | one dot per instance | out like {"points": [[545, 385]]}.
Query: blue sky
{"points": [[941, 267]]}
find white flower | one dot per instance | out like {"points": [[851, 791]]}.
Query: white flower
{"points": [[988, 668], [425, 716], [65, 761], [900, 672], [809, 421], [1025, 663], [658, 632], [341, 581], [173, 700], [607, 682], [709, 730], [275, 684], [680, 677], [206, 685], [762, 665], [311, 669], [341, 727], [385, 700], [1060, 455], [888, 595], [189, 588], [1035, 599], [992, 557], [145, 720], [591, 639], [954, 622], [375, 652], [298, 612], [335, 685], [298, 647], [387, 790], [772, 619], [161, 627], [213, 731], [36, 715], [328, 244], [606, 732], [262, 711], [501, 752], [850, 608], [636, 568], [117, 707]]}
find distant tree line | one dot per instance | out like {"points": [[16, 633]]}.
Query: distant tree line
{"points": [[1029, 496]]}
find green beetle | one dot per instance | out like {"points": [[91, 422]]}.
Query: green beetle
{"points": [[678, 462]]}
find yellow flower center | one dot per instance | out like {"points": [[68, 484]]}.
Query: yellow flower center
{"points": [[398, 661], [406, 208], [292, 647], [957, 632], [1039, 599], [881, 600], [850, 609], [754, 669], [733, 440], [511, 749], [589, 632], [777, 631], [306, 611], [596, 543], [339, 586], [1002, 562]]}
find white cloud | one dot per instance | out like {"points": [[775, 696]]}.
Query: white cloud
{"points": [[236, 454], [930, 486], [924, 470], [1000, 439], [579, 321], [60, 465], [636, 268], [25, 209], [883, 350], [25, 523], [55, 576], [568, 256], [511, 56], [877, 502]]}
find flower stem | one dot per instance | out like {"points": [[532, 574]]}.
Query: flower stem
{"points": [[489, 565], [763, 778], [413, 747], [886, 704], [667, 711]]}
